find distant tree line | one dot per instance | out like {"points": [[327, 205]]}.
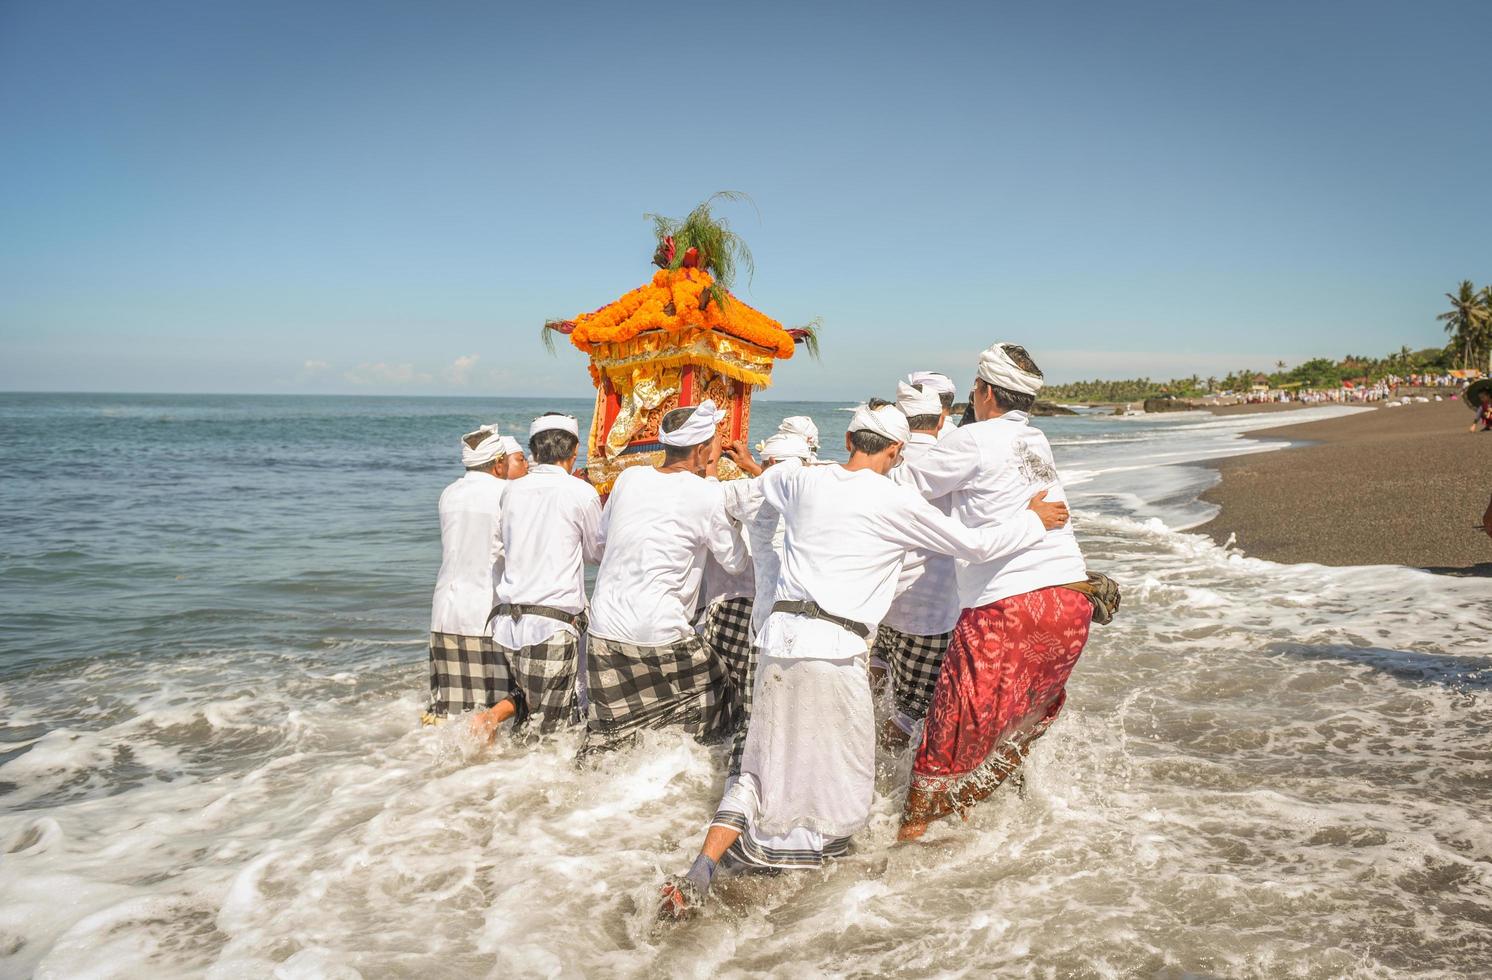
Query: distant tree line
{"points": [[1469, 322]]}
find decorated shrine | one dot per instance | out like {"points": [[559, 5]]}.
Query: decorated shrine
{"points": [[675, 341]]}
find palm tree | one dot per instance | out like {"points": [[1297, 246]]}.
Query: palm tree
{"points": [[1467, 318], [1486, 330]]}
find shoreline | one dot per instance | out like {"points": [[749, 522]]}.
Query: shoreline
{"points": [[1389, 486]]}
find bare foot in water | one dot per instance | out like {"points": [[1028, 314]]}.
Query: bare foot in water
{"points": [[911, 830]]}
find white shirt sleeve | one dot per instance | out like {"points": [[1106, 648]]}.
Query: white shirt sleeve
{"points": [[742, 498], [726, 543], [592, 530], [921, 525], [944, 468], [723, 537], [771, 484]]}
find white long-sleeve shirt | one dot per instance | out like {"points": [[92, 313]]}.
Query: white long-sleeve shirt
{"points": [[846, 533], [926, 602], [991, 469], [471, 549], [763, 527], [657, 529], [551, 530]]}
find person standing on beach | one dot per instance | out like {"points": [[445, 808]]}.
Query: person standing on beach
{"points": [[914, 633], [465, 671], [645, 664], [551, 530], [808, 775], [1004, 677]]}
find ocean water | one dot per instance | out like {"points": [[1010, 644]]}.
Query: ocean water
{"points": [[213, 615]]}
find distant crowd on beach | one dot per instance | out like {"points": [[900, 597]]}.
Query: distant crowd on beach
{"points": [[1382, 390], [936, 563]]}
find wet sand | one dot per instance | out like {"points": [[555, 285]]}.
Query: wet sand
{"points": [[1395, 486]]}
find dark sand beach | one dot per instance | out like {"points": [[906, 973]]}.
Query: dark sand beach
{"points": [[1400, 486]]}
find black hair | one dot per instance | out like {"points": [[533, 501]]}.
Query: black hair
{"points": [[1015, 401], [865, 441], [552, 445], [946, 397], [672, 420]]}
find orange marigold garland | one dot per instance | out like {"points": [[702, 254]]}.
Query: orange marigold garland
{"points": [[671, 303]]}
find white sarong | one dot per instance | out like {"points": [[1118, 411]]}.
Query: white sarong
{"points": [[808, 771]]}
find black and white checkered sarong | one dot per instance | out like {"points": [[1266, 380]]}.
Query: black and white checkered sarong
{"points": [[914, 662], [727, 631], [632, 687], [466, 672], [543, 681]]}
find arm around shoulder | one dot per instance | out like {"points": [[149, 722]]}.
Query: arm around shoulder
{"points": [[947, 467], [924, 526]]}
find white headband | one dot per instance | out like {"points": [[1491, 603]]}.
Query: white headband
{"points": [[913, 402], [698, 428], [885, 421], [486, 451], [565, 423], [933, 381], [801, 425], [996, 367], [511, 447], [785, 445]]}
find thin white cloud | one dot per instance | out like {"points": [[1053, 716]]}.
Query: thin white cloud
{"points": [[314, 367], [499, 377], [459, 373], [381, 373]]}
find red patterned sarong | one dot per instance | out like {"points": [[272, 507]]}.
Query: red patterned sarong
{"points": [[1002, 684]]}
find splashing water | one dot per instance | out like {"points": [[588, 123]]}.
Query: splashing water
{"points": [[209, 762]]}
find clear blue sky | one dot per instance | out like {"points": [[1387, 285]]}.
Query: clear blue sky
{"points": [[391, 197]]}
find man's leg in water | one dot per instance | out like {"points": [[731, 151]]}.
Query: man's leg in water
{"points": [[1013, 754], [526, 682]]}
